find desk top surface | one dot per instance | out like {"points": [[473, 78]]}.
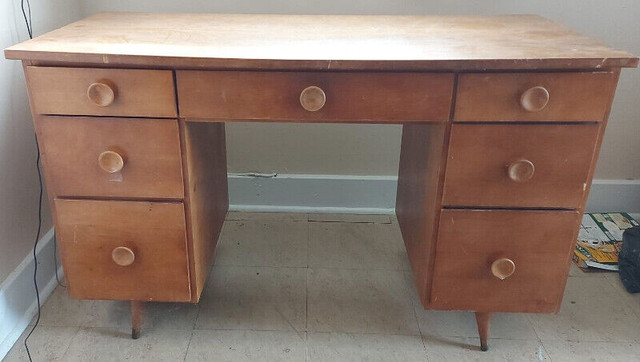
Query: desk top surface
{"points": [[321, 42]]}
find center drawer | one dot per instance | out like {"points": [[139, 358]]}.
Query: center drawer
{"points": [[314, 96], [124, 249], [518, 165], [111, 157], [507, 261]]}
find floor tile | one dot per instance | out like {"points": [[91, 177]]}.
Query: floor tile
{"points": [[632, 300], [463, 324], [107, 344], [360, 301], [171, 316], [263, 243], [62, 311], [265, 216], [355, 245], [560, 351], [351, 218], [364, 347], [45, 344], [254, 298], [591, 310], [224, 345], [468, 349]]}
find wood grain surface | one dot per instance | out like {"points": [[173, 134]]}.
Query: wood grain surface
{"points": [[350, 97], [321, 42], [151, 149], [88, 231], [540, 244], [480, 156], [139, 93], [573, 97]]}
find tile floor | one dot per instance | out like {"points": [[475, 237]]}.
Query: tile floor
{"points": [[298, 287]]}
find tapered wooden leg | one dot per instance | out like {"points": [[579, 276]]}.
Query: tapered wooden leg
{"points": [[483, 329], [138, 310]]}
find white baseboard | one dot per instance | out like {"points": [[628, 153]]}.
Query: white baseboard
{"points": [[17, 296], [312, 193], [374, 194]]}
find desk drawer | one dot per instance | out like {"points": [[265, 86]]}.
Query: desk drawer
{"points": [[124, 250], [112, 157], [539, 243], [563, 97], [102, 92], [515, 165], [279, 96]]}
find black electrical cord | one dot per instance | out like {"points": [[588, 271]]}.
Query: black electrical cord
{"points": [[35, 257], [26, 13]]}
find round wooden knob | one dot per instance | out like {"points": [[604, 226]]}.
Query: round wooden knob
{"points": [[101, 93], [521, 170], [111, 161], [534, 99], [123, 256], [312, 98], [503, 268]]}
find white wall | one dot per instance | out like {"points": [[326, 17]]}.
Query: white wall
{"points": [[18, 178], [373, 150]]}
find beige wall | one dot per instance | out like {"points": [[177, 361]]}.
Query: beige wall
{"points": [[373, 150], [18, 178]]}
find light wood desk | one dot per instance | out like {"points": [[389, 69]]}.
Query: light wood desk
{"points": [[502, 122]]}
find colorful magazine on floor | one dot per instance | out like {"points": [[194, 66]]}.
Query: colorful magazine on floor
{"points": [[600, 239]]}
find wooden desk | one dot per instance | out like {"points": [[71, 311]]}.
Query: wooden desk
{"points": [[502, 122]]}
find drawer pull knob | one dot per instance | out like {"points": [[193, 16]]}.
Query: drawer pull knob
{"points": [[534, 99], [123, 256], [503, 268], [312, 98], [111, 161], [101, 93], [521, 170]]}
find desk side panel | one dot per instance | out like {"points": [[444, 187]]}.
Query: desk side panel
{"points": [[419, 195], [206, 195]]}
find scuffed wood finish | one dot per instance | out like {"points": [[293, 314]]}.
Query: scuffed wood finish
{"points": [[67, 91], [469, 241], [418, 197], [89, 231], [72, 146], [207, 196], [573, 97], [275, 96], [321, 42], [481, 155]]}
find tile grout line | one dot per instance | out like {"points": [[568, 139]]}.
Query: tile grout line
{"points": [[193, 329], [186, 352], [415, 316], [66, 351], [538, 336]]}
